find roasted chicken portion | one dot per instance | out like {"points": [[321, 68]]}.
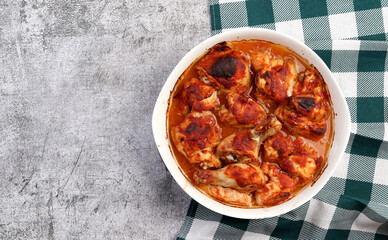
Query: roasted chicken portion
{"points": [[226, 68], [244, 146], [270, 128], [278, 187], [303, 162], [196, 138], [199, 96], [229, 195], [310, 97], [242, 111], [264, 60], [277, 147], [301, 125], [265, 100], [277, 79], [239, 147], [240, 176]]}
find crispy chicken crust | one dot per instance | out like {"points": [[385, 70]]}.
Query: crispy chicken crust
{"points": [[199, 96], [238, 147], [301, 125], [226, 68], [276, 78], [277, 148], [196, 138], [310, 98], [302, 162], [278, 187], [242, 111]]}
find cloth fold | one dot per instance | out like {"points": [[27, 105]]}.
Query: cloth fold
{"points": [[351, 37]]}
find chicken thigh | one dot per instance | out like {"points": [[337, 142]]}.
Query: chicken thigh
{"points": [[310, 97], [242, 111], [264, 60], [270, 128], [240, 176], [277, 147], [303, 162], [199, 96], [196, 138], [244, 146], [265, 100], [301, 125], [277, 79], [238, 147], [226, 68], [278, 187]]}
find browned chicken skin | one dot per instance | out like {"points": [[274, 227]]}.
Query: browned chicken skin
{"points": [[242, 111], [309, 107], [264, 60], [277, 147], [238, 147], [264, 99], [310, 98], [240, 176], [270, 128], [199, 95], [196, 138], [226, 68], [303, 162], [276, 77], [229, 195], [244, 146], [301, 125], [278, 187]]}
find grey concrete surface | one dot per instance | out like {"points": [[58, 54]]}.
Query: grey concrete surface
{"points": [[78, 82]]}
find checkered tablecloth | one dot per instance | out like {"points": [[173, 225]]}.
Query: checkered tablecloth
{"points": [[351, 37]]}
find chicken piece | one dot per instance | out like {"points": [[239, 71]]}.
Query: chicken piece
{"points": [[265, 100], [277, 147], [301, 125], [270, 128], [277, 189], [240, 176], [277, 80], [229, 195], [310, 97], [302, 163], [196, 138], [242, 111], [244, 146], [226, 68], [238, 147], [264, 59], [198, 95]]}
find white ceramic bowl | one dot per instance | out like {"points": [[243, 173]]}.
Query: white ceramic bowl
{"points": [[341, 136]]}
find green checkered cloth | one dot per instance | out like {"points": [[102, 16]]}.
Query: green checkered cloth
{"points": [[351, 37]]}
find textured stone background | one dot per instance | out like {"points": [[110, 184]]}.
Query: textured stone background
{"points": [[79, 80]]}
